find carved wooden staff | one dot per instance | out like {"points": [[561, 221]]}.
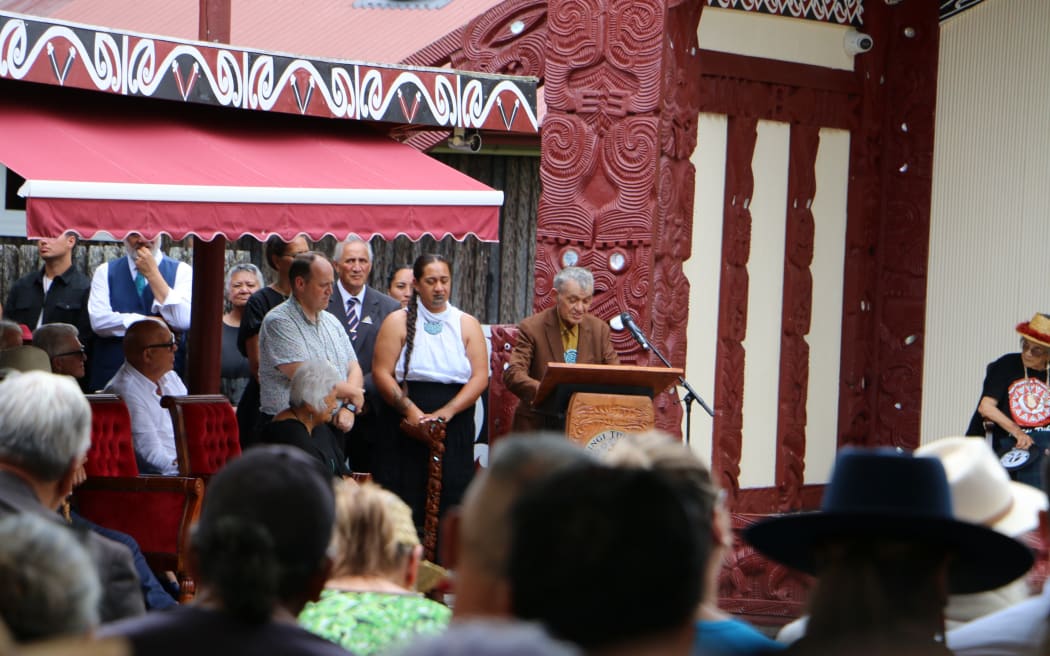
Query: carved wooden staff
{"points": [[431, 433]]}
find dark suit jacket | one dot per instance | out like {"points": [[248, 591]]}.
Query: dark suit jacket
{"points": [[539, 343], [373, 310], [121, 592]]}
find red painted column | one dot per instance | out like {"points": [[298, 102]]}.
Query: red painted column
{"points": [[209, 258]]}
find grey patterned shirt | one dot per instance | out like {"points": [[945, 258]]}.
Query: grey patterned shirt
{"points": [[287, 336]]}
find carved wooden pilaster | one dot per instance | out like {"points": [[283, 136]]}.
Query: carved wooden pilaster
{"points": [[732, 303], [795, 318]]}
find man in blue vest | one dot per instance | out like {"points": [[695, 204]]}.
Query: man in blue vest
{"points": [[142, 283]]}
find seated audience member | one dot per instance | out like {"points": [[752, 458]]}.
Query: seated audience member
{"points": [[609, 559], [1019, 630], [478, 536], [24, 358], [717, 632], [491, 638], [368, 605], [260, 550], [886, 551], [982, 493], [242, 280], [312, 400], [50, 586], [10, 334], [62, 343], [40, 455], [146, 375]]}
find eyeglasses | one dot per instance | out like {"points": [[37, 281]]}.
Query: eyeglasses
{"points": [[166, 345], [1034, 349], [79, 352]]}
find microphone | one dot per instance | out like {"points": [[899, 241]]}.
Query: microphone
{"points": [[636, 332]]}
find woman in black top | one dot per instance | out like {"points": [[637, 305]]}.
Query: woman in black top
{"points": [[242, 280], [304, 424], [280, 255]]}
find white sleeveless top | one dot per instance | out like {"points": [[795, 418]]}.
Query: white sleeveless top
{"points": [[439, 355]]}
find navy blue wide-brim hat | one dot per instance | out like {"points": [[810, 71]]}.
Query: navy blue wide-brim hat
{"points": [[885, 494]]}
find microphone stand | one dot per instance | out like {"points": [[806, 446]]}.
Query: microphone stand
{"points": [[690, 396]]}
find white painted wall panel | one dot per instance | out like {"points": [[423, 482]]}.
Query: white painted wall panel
{"points": [[825, 335], [989, 265], [765, 303], [774, 37], [704, 272]]}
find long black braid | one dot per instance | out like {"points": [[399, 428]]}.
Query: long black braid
{"points": [[413, 312]]}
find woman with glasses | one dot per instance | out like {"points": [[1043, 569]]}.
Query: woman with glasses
{"points": [[1015, 400]]}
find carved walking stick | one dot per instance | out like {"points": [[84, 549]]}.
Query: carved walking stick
{"points": [[431, 433]]}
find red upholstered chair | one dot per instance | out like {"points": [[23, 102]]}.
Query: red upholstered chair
{"points": [[502, 401], [157, 511], [206, 434]]}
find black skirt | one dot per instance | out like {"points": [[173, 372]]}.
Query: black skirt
{"points": [[400, 463]]}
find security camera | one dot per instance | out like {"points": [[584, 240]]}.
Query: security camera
{"points": [[468, 141], [857, 43]]}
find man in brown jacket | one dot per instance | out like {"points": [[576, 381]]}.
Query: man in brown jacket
{"points": [[563, 333]]}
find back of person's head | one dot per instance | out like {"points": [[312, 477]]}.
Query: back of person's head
{"points": [[374, 533], [25, 358], [45, 424], [311, 383], [49, 583], [607, 557], [518, 461], [264, 531], [10, 334], [491, 638]]}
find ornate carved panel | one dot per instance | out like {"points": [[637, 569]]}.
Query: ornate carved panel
{"points": [[502, 401]]}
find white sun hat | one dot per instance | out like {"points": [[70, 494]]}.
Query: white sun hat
{"points": [[982, 491]]}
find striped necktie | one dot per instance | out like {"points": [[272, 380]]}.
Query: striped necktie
{"points": [[351, 317]]}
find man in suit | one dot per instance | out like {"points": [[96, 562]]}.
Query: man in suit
{"points": [[361, 310], [143, 283], [563, 333], [41, 457]]}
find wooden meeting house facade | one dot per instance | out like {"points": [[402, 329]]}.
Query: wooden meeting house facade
{"points": [[801, 294]]}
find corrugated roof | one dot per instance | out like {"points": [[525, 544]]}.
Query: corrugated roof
{"points": [[316, 28]]}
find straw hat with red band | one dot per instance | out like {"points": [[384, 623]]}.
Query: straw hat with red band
{"points": [[1037, 330]]}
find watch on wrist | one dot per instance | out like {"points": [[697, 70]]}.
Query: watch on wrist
{"points": [[349, 406]]}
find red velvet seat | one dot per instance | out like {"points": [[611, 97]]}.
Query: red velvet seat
{"points": [[206, 434], [502, 401], [157, 511]]}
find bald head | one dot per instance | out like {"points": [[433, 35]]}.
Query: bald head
{"points": [[149, 347]]}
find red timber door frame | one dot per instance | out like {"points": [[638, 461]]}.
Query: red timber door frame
{"points": [[887, 104]]}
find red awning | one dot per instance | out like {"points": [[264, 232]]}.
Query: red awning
{"points": [[94, 165]]}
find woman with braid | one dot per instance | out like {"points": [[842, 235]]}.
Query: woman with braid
{"points": [[430, 364]]}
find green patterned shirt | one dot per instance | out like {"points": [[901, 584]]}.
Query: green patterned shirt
{"points": [[368, 623]]}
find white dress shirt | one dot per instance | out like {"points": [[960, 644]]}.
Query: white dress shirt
{"points": [[151, 429], [175, 309]]}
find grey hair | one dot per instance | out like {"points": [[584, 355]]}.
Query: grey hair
{"points": [[578, 275], [8, 327], [519, 461], [239, 268], [50, 584], [354, 238], [45, 423], [49, 336], [313, 380]]}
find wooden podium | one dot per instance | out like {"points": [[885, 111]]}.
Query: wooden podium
{"points": [[600, 402]]}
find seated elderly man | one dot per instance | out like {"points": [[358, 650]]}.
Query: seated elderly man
{"points": [[40, 453], [61, 341], [146, 375]]}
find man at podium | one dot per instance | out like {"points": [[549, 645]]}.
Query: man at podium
{"points": [[566, 332]]}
